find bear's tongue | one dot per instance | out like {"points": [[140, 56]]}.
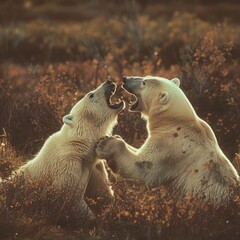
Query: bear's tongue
{"points": [[117, 105]]}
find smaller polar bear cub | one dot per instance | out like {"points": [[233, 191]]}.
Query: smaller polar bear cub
{"points": [[181, 149], [68, 156]]}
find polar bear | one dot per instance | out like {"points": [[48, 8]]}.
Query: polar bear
{"points": [[68, 156], [181, 150]]}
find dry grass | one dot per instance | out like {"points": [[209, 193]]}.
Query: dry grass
{"points": [[36, 210]]}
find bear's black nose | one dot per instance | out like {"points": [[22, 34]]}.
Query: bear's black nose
{"points": [[108, 81]]}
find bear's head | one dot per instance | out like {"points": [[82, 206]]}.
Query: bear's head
{"points": [[157, 96], [95, 112]]}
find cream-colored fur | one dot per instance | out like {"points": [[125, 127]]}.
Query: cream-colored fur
{"points": [[181, 149], [69, 157]]}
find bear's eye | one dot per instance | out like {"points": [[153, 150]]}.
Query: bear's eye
{"points": [[91, 95]]}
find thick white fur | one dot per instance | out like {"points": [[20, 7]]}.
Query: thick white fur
{"points": [[181, 149], [68, 157]]}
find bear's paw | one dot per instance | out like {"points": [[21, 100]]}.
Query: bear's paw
{"points": [[107, 146]]}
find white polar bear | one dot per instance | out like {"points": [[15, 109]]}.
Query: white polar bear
{"points": [[181, 149], [68, 156]]}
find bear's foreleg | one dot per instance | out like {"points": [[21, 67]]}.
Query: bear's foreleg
{"points": [[127, 145], [73, 181], [120, 157]]}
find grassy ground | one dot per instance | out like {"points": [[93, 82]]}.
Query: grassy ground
{"points": [[52, 53]]}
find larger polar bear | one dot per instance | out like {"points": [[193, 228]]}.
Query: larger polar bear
{"points": [[68, 156], [181, 148]]}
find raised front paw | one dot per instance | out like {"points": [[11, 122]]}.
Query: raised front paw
{"points": [[107, 146]]}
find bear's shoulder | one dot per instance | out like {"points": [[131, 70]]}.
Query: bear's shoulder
{"points": [[207, 130]]}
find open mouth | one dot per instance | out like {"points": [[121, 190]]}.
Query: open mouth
{"points": [[133, 104], [111, 88]]}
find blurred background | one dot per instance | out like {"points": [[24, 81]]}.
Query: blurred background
{"points": [[53, 52]]}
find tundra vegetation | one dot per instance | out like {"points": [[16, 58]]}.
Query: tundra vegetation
{"points": [[54, 52]]}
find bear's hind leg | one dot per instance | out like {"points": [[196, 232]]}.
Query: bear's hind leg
{"points": [[99, 192]]}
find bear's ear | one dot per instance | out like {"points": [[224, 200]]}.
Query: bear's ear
{"points": [[68, 119], [164, 98], [176, 81]]}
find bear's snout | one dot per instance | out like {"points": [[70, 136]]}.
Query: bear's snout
{"points": [[108, 82], [132, 84], [124, 79], [109, 89], [126, 87]]}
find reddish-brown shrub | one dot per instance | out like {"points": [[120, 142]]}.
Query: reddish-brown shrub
{"points": [[210, 78]]}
